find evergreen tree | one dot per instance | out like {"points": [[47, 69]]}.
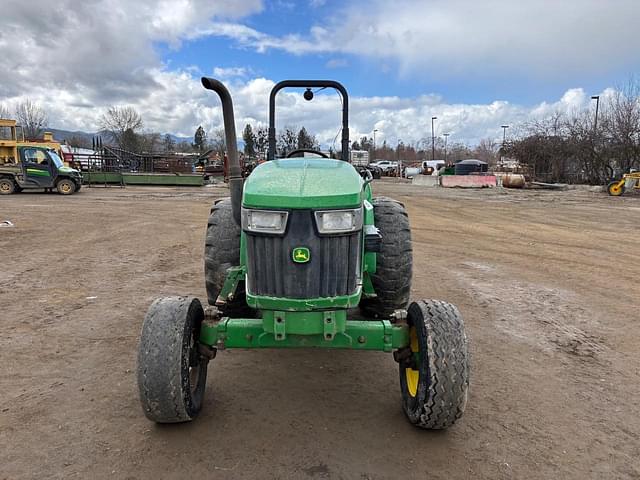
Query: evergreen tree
{"points": [[200, 140], [249, 141], [307, 141]]}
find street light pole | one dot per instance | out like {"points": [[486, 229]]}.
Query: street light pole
{"points": [[433, 140], [595, 123], [446, 137], [374, 143], [504, 134], [504, 139], [398, 156]]}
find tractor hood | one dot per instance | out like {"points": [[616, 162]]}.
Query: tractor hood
{"points": [[304, 183]]}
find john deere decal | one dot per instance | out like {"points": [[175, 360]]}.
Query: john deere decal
{"points": [[301, 255]]}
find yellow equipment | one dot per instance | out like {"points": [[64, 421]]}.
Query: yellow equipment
{"points": [[629, 180], [8, 141], [12, 137]]}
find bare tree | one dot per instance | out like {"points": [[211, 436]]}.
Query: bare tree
{"points": [[621, 127], [150, 142], [183, 147], [78, 141], [32, 117], [4, 111], [122, 124], [287, 141], [487, 150], [218, 142], [168, 144]]}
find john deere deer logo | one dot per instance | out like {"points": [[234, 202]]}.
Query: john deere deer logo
{"points": [[301, 255]]}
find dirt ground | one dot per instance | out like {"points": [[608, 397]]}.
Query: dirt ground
{"points": [[547, 283]]}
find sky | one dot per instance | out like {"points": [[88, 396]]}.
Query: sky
{"points": [[473, 64]]}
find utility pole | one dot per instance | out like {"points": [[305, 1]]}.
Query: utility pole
{"points": [[446, 137], [433, 140]]}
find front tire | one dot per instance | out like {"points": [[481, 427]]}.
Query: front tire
{"points": [[7, 186], [434, 374], [66, 186], [172, 374]]}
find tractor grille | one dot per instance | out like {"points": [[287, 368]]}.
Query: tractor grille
{"points": [[332, 270]]}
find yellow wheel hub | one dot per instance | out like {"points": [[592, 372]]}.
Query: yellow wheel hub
{"points": [[66, 187], [5, 187], [616, 189], [413, 376]]}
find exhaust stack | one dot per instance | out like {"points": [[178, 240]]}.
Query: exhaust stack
{"points": [[236, 182]]}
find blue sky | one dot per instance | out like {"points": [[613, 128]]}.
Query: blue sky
{"points": [[378, 77], [474, 64]]}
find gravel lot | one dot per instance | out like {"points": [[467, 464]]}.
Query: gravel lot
{"points": [[547, 283]]}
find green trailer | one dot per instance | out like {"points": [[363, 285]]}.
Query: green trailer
{"points": [[130, 178], [289, 257]]}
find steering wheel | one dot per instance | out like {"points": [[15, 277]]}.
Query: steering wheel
{"points": [[301, 151]]}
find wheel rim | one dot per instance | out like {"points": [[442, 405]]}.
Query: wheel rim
{"points": [[5, 187], [412, 376], [615, 189], [65, 187], [194, 366]]}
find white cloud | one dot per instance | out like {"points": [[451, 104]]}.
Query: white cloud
{"points": [[450, 38], [337, 63], [178, 104], [85, 56], [100, 50], [231, 72]]}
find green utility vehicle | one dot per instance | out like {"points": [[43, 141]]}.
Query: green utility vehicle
{"points": [[297, 251], [37, 167]]}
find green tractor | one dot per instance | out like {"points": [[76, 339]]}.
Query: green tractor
{"points": [[298, 250]]}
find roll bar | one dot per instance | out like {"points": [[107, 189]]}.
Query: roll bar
{"points": [[309, 84]]}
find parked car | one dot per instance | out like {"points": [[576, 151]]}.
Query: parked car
{"points": [[385, 165]]}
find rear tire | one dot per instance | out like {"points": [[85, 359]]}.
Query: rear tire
{"points": [[172, 375], [435, 387], [394, 262], [66, 186], [222, 251], [7, 186]]}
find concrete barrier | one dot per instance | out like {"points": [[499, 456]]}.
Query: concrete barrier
{"points": [[468, 181], [426, 180]]}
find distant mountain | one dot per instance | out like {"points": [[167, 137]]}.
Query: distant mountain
{"points": [[62, 135], [87, 137]]}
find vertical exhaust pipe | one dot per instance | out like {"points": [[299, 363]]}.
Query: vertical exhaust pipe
{"points": [[236, 182]]}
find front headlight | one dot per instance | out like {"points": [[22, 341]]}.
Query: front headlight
{"points": [[264, 221], [339, 221]]}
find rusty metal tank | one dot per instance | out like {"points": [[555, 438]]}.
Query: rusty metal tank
{"points": [[513, 180]]}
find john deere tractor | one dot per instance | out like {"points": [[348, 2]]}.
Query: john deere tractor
{"points": [[298, 250]]}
